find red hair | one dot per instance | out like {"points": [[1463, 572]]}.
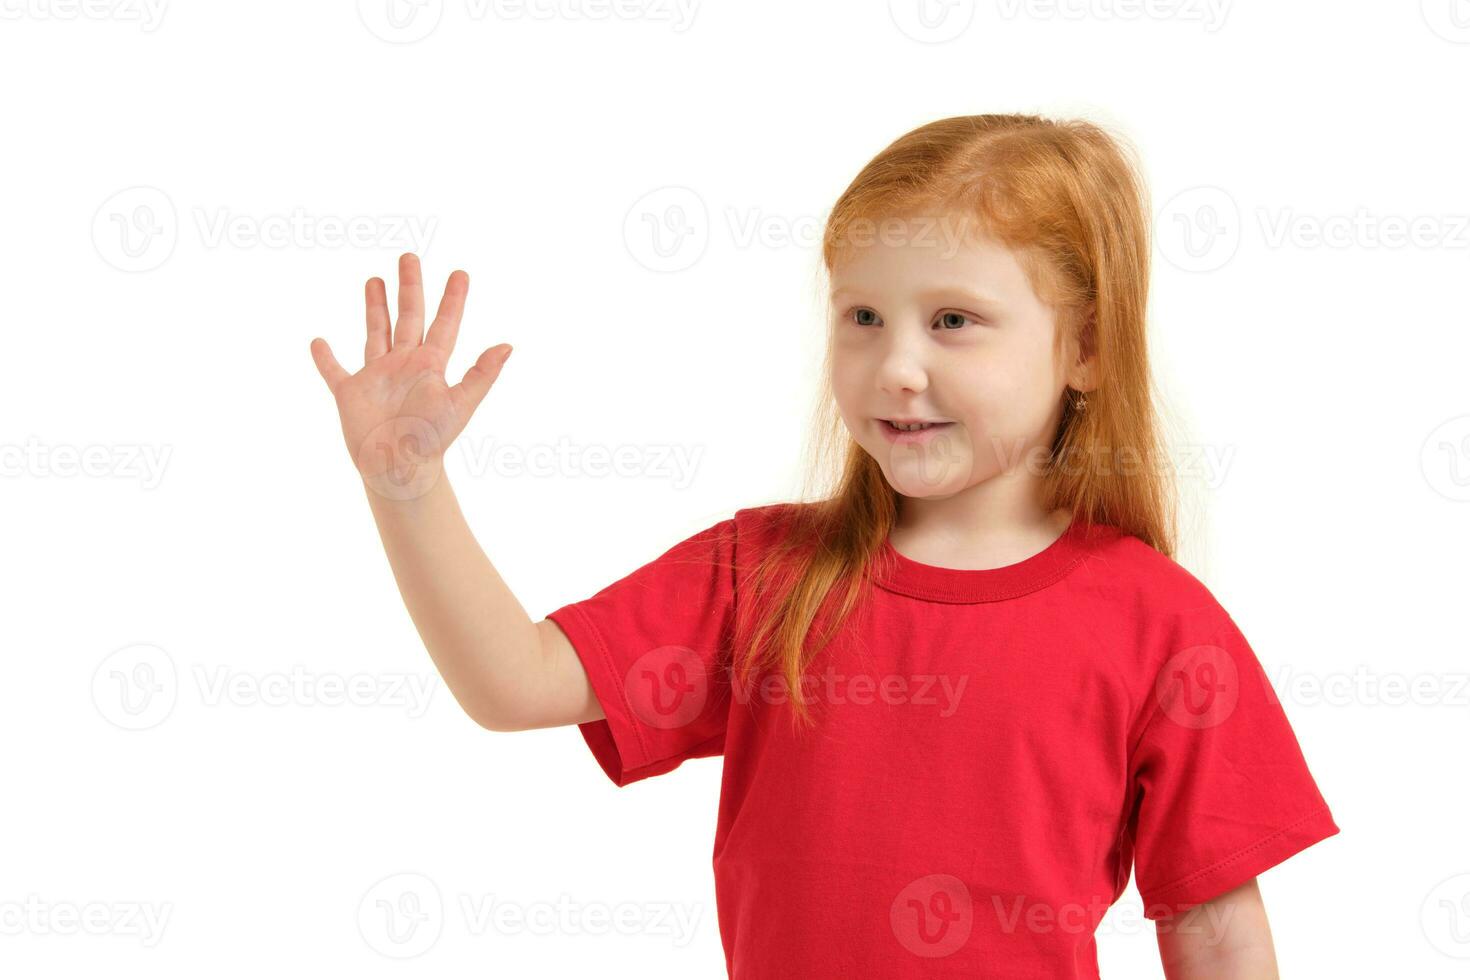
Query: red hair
{"points": [[1067, 198]]}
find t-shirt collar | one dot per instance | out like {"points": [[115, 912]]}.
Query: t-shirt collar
{"points": [[904, 575]]}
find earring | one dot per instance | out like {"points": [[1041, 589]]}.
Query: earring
{"points": [[1081, 403]]}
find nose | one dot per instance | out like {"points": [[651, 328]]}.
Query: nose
{"points": [[902, 369]]}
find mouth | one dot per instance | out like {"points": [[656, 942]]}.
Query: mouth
{"points": [[911, 430]]}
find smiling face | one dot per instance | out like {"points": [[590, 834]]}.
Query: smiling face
{"points": [[950, 332]]}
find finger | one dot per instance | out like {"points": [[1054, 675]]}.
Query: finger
{"points": [[410, 328], [445, 329], [332, 372], [379, 327], [471, 391]]}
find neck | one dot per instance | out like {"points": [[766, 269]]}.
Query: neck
{"points": [[984, 526]]}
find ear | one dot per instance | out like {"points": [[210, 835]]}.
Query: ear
{"points": [[1082, 371]]}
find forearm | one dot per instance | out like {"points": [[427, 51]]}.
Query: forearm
{"points": [[1227, 938], [480, 638], [1237, 963]]}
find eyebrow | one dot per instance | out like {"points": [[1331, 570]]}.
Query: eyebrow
{"points": [[934, 295]]}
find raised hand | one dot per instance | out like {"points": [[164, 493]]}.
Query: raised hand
{"points": [[398, 413]]}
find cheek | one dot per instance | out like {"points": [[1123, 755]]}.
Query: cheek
{"points": [[844, 390], [976, 390], [1011, 382], [849, 376], [841, 377]]}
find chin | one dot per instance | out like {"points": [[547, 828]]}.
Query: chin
{"points": [[911, 482]]}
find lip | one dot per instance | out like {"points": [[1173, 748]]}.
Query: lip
{"points": [[921, 435]]}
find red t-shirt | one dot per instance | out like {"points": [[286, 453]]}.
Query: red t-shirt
{"points": [[994, 750]]}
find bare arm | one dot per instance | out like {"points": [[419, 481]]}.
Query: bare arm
{"points": [[1226, 938], [507, 672], [398, 416]]}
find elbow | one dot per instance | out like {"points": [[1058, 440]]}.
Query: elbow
{"points": [[487, 715], [502, 718], [493, 721]]}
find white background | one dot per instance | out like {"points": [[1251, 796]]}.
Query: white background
{"points": [[159, 306]]}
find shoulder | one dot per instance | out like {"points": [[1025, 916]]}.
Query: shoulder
{"points": [[1154, 585], [1160, 617], [748, 532], [762, 525]]}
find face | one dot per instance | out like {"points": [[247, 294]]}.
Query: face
{"points": [[950, 332]]}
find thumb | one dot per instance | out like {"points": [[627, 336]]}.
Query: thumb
{"points": [[331, 372], [477, 380]]}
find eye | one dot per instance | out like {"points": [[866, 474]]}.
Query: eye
{"points": [[950, 319]]}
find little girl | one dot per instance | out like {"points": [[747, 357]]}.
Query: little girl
{"points": [[964, 694]]}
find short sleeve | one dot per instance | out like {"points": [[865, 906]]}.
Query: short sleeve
{"points": [[656, 646], [1221, 791]]}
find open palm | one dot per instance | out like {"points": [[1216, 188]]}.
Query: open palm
{"points": [[399, 414]]}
